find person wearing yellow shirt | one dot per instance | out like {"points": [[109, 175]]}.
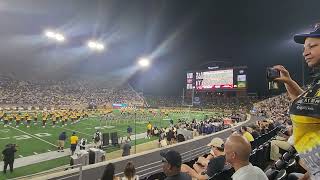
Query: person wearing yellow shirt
{"points": [[78, 116], [64, 120], [246, 134], [44, 119], [73, 118], [305, 106], [54, 119], [35, 118], [73, 142], [149, 129], [18, 119], [10, 117], [1, 115]]}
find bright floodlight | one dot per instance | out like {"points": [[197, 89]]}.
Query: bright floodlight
{"points": [[60, 37], [100, 46], [55, 36], [144, 62], [95, 45], [91, 44], [50, 34]]}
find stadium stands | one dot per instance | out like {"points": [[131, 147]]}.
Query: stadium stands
{"points": [[67, 93]]}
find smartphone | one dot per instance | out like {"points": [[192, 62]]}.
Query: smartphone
{"points": [[272, 73]]}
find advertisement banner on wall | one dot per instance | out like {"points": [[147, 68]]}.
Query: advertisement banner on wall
{"points": [[119, 105]]}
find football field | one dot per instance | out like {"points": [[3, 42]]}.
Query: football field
{"points": [[36, 139]]}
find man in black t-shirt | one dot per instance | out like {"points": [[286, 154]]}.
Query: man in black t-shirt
{"points": [[210, 167], [8, 157], [172, 166]]}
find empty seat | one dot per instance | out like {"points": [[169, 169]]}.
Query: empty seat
{"points": [[286, 156], [271, 173], [291, 166], [280, 164]]}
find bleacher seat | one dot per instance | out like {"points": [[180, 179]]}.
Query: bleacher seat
{"points": [[271, 173], [282, 175], [253, 157], [280, 164], [286, 156], [260, 159], [267, 149]]}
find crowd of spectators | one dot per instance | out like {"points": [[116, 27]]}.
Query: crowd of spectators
{"points": [[275, 108], [208, 102], [66, 93], [184, 130]]}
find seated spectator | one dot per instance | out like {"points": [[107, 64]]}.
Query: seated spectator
{"points": [[237, 151], [255, 134], [126, 147], [246, 134], [205, 168], [172, 162], [108, 173], [130, 172], [282, 141]]}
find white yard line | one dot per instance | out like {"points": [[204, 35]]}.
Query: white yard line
{"points": [[85, 123], [34, 136], [76, 131]]}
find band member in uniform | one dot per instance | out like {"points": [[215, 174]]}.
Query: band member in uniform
{"points": [[5, 119], [73, 118], [64, 120], [54, 119], [29, 118], [18, 118], [44, 119], [10, 117], [35, 118]]}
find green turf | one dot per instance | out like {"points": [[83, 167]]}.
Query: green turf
{"points": [[35, 168], [28, 144]]}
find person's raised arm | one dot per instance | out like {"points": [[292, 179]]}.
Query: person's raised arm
{"points": [[293, 89]]}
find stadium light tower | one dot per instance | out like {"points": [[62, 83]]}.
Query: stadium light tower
{"points": [[95, 45], [144, 62]]}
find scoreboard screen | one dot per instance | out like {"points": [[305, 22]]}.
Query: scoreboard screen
{"points": [[234, 78], [213, 79]]}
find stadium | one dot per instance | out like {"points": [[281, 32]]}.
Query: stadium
{"points": [[159, 90]]}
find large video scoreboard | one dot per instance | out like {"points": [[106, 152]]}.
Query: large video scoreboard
{"points": [[219, 79]]}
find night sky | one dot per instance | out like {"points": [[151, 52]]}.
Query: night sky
{"points": [[179, 35]]}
